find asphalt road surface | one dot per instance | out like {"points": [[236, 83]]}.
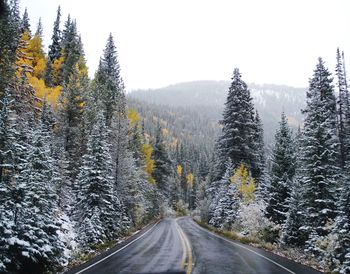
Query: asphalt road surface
{"points": [[174, 245], [215, 254]]}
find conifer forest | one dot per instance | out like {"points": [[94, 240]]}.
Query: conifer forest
{"points": [[84, 164]]}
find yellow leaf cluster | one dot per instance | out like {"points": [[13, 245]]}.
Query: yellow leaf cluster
{"points": [[133, 117], [31, 57], [179, 170], [245, 184], [50, 95], [190, 179], [38, 59], [56, 69], [147, 151]]}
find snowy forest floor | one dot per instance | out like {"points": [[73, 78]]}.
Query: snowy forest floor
{"points": [[295, 254]]}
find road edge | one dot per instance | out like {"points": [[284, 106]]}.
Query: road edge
{"points": [[247, 247], [113, 250]]}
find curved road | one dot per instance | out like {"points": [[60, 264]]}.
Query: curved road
{"points": [[174, 245]]}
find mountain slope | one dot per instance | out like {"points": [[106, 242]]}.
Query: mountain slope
{"points": [[210, 96]]}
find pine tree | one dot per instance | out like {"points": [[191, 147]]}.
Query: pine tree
{"points": [[109, 84], [343, 110], [25, 25], [54, 51], [71, 118], [319, 158], [72, 49], [9, 39], [36, 247], [100, 214], [55, 47], [294, 219], [236, 141], [224, 207], [8, 152], [259, 163], [161, 163], [39, 29], [283, 164], [341, 230]]}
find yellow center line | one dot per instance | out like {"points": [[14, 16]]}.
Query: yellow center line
{"points": [[183, 261], [187, 250]]}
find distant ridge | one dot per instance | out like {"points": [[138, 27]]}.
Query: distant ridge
{"points": [[269, 99]]}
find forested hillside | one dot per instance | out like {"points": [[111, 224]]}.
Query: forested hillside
{"points": [[208, 98]]}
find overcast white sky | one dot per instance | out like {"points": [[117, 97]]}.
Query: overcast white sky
{"points": [[162, 42]]}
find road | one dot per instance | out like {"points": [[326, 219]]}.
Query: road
{"points": [[215, 254], [179, 244]]}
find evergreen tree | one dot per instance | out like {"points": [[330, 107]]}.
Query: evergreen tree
{"points": [[9, 39], [259, 163], [25, 25], [236, 141], [72, 49], [8, 151], [283, 164], [109, 84], [319, 158], [71, 118], [343, 110], [55, 47], [341, 253], [39, 29], [36, 247], [54, 51], [225, 205], [161, 163], [294, 219], [100, 214]]}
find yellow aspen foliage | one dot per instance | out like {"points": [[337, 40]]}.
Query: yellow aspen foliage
{"points": [[179, 170], [50, 95], [57, 69], [147, 151], [244, 183], [190, 179], [36, 53], [133, 117]]}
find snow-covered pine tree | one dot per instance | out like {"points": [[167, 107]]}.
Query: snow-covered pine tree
{"points": [[35, 246], [236, 141], [100, 215], [25, 25], [341, 253], [319, 168], [259, 164], [224, 207], [39, 29], [10, 35], [72, 50], [283, 164], [343, 104], [161, 163], [294, 219], [8, 152], [54, 50], [109, 84], [71, 113]]}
